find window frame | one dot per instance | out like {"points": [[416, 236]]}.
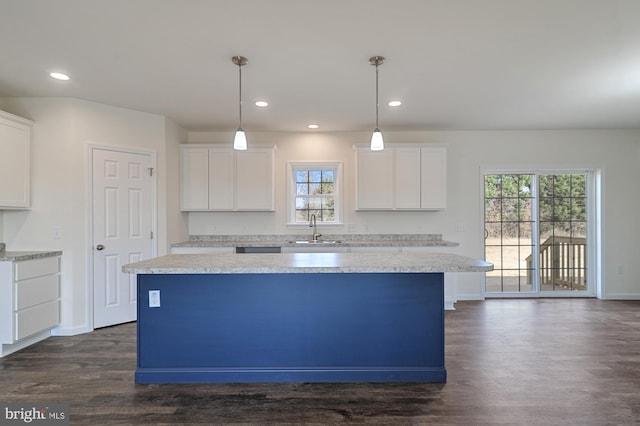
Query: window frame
{"points": [[593, 230], [293, 168]]}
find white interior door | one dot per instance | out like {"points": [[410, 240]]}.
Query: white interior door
{"points": [[122, 231]]}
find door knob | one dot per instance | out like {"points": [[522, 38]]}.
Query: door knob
{"points": [[99, 247]]}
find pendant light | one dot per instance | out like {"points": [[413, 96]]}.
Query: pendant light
{"points": [[240, 140], [377, 143]]}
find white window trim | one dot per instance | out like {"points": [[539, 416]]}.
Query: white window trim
{"points": [[291, 190]]}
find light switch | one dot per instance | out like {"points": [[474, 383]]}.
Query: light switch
{"points": [[154, 298]]}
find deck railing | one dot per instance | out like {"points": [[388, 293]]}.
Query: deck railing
{"points": [[563, 263]]}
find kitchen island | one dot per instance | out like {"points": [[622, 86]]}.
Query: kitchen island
{"points": [[296, 317]]}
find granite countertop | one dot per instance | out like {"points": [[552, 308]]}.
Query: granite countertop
{"points": [[343, 240], [273, 263], [12, 256]]}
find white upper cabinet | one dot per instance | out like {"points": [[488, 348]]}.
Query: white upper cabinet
{"points": [[216, 178], [15, 160], [407, 185], [433, 178], [401, 177], [221, 173], [254, 179], [374, 179], [194, 178]]}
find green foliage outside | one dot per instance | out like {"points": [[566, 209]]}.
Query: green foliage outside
{"points": [[509, 205]]}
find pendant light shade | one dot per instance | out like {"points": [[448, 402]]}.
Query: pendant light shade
{"points": [[377, 142], [240, 139]]}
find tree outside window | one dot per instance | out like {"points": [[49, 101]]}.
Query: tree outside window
{"points": [[315, 191]]}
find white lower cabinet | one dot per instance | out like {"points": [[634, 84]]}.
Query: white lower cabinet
{"points": [[31, 307]]}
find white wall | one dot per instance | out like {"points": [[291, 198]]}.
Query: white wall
{"points": [[169, 170], [616, 153], [63, 129]]}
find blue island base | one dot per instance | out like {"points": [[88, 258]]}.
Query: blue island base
{"points": [[324, 327]]}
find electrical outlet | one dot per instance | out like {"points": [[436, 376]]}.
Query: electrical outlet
{"points": [[154, 298], [351, 228], [57, 233], [459, 227]]}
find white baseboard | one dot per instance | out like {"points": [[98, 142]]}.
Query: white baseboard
{"points": [[469, 297], [70, 331], [28, 341], [621, 296]]}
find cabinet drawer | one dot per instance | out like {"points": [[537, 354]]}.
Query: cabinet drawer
{"points": [[37, 318], [36, 290], [37, 267]]}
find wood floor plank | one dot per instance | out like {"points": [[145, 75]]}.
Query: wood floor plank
{"points": [[516, 362]]}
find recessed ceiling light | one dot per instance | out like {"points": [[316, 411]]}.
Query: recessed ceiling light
{"points": [[394, 103], [313, 126], [262, 104], [59, 76]]}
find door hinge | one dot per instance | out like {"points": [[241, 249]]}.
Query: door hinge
{"points": [[150, 171], [151, 235]]}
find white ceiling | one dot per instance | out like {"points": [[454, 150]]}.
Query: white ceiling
{"points": [[455, 64]]}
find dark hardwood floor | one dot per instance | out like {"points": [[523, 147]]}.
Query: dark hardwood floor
{"points": [[510, 362]]}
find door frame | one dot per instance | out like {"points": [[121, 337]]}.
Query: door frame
{"points": [[90, 243], [594, 229]]}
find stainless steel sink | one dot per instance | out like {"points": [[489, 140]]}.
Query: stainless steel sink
{"points": [[315, 242]]}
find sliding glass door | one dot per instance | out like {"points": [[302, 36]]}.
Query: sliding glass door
{"points": [[536, 233]]}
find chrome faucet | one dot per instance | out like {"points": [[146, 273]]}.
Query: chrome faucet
{"points": [[312, 224]]}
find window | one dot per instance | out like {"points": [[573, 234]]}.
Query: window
{"points": [[314, 189]]}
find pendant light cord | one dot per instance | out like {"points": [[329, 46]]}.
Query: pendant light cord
{"points": [[240, 95], [376, 95]]}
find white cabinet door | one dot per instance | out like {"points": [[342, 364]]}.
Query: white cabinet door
{"points": [[374, 179], [194, 178], [15, 159], [216, 178], [220, 179], [401, 177], [407, 174], [254, 180], [433, 180]]}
